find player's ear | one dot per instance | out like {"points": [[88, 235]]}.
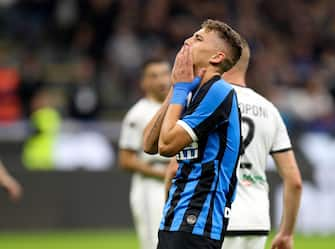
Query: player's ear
{"points": [[217, 58]]}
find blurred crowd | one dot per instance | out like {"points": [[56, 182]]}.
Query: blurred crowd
{"points": [[84, 56]]}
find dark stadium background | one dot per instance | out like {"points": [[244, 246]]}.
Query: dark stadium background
{"points": [[81, 59]]}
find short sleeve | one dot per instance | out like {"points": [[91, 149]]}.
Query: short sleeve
{"points": [[131, 133], [213, 110], [281, 140]]}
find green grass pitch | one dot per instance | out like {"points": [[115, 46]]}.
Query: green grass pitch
{"points": [[112, 240]]}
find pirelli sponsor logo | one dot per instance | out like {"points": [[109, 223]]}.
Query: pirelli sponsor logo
{"points": [[188, 153]]}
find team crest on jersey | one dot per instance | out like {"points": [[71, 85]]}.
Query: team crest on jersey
{"points": [[188, 153], [191, 219]]}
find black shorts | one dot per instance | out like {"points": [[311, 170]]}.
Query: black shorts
{"points": [[183, 240]]}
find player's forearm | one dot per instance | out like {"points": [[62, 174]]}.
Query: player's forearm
{"points": [[13, 187], [168, 137], [153, 129], [3, 174], [292, 195], [143, 168], [130, 162], [150, 171], [289, 171]]}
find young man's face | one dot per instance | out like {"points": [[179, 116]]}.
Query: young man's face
{"points": [[205, 46], [156, 80]]}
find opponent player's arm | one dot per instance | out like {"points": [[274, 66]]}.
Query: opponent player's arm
{"points": [[128, 160], [153, 128], [8, 182], [170, 174], [289, 171]]}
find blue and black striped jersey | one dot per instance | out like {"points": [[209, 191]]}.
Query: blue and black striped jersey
{"points": [[203, 189]]}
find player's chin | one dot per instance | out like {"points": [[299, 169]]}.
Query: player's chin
{"points": [[163, 91], [162, 95]]}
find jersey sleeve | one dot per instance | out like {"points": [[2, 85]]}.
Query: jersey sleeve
{"points": [[213, 110], [131, 133], [281, 140]]}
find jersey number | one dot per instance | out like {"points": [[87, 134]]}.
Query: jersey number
{"points": [[247, 140]]}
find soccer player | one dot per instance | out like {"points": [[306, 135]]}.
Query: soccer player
{"points": [[147, 186], [204, 134], [9, 183], [263, 133]]}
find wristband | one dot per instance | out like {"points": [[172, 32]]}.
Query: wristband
{"points": [[182, 89]]}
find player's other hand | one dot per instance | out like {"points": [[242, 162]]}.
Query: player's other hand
{"points": [[281, 241], [13, 188], [159, 173]]}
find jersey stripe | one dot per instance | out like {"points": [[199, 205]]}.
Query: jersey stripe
{"points": [[229, 157], [223, 135], [200, 226], [223, 142], [189, 191], [222, 112], [200, 95], [201, 191], [185, 172]]}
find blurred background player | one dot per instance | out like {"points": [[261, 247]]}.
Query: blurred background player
{"points": [[9, 183], [147, 187], [263, 132]]}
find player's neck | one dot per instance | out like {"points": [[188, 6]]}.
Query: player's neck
{"points": [[237, 81], [210, 73], [235, 78], [153, 99]]}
